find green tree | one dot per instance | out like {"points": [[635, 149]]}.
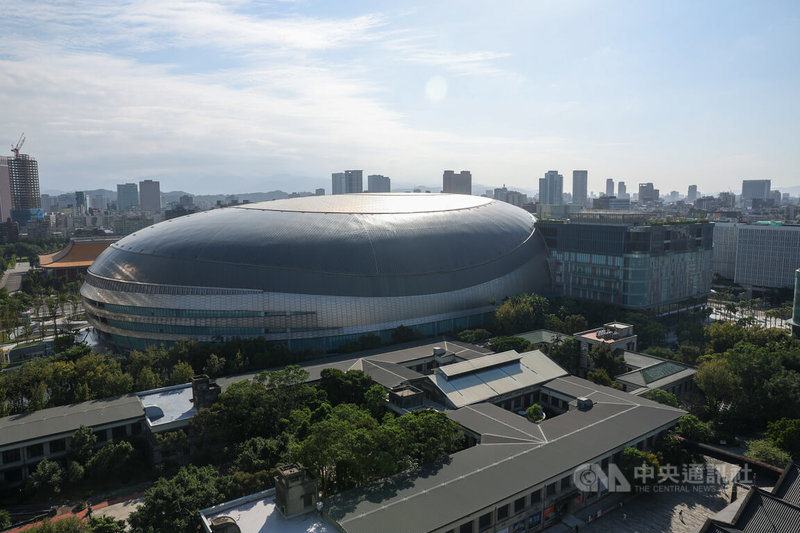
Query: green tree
{"points": [[662, 396], [82, 444], [601, 377], [215, 366], [106, 524], [503, 344], [259, 453], [173, 504], [71, 524], [117, 459], [47, 477], [181, 373], [474, 335], [5, 519], [575, 324], [567, 354], [147, 380], [635, 463], [602, 358], [521, 313], [718, 383], [692, 428], [535, 413], [375, 400], [785, 433], [766, 451], [344, 387]]}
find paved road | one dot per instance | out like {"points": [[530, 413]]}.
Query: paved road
{"points": [[661, 512]]}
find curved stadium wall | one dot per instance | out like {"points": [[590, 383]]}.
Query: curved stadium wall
{"points": [[316, 272]]}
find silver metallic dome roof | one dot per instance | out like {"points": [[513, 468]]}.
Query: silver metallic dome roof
{"points": [[353, 244]]}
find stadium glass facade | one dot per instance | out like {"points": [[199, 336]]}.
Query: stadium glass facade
{"points": [[316, 272]]}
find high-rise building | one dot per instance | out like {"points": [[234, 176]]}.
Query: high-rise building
{"points": [[5, 190], [150, 196], [81, 203], [460, 183], [378, 183], [551, 188], [609, 187], [691, 196], [622, 190], [347, 182], [319, 192], [613, 258], [337, 183], [579, 187], [755, 190], [127, 196], [23, 174], [648, 194]]}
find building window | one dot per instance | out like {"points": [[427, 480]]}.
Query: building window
{"points": [[566, 482], [536, 496], [11, 456], [551, 489], [13, 476], [465, 528], [58, 445], [102, 435], [136, 428], [485, 522], [502, 512], [118, 433], [37, 450], [519, 505]]}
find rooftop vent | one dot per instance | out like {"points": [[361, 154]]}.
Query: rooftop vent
{"points": [[224, 524], [584, 404]]}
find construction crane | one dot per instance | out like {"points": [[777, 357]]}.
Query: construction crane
{"points": [[20, 142]]}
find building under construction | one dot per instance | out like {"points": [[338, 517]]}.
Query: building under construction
{"points": [[23, 175]]}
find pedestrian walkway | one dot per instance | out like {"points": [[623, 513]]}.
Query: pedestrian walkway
{"points": [[659, 512], [115, 508], [12, 278]]}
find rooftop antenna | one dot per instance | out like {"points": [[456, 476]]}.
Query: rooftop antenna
{"points": [[19, 144]]}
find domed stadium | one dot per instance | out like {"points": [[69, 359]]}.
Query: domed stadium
{"points": [[316, 272]]}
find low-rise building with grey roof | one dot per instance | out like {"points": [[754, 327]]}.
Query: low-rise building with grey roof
{"points": [[27, 438], [519, 475]]}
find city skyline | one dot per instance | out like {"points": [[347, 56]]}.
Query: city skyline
{"points": [[247, 96]]}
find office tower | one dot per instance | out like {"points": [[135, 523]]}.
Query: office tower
{"points": [[647, 193], [609, 187], [347, 182], [150, 196], [622, 190], [319, 192], [5, 190], [755, 189], [127, 196], [672, 261], [23, 174], [692, 194], [579, 190], [354, 181], [81, 205], [378, 183], [337, 183], [460, 183], [186, 201], [551, 188]]}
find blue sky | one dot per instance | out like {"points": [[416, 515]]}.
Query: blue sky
{"points": [[241, 96]]}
